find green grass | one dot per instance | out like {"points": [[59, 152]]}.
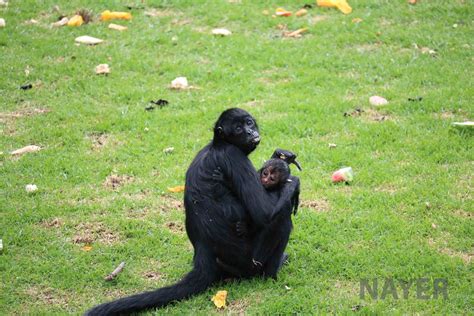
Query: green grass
{"points": [[412, 170]]}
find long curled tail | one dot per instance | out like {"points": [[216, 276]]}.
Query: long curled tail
{"points": [[196, 281]]}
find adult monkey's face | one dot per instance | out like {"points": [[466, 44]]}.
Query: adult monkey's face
{"points": [[239, 128]]}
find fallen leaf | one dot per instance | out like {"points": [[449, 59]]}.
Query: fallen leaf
{"points": [[179, 188], [221, 32], [117, 27], [26, 149], [220, 299], [88, 40], [377, 100], [87, 248], [102, 69], [356, 20]]}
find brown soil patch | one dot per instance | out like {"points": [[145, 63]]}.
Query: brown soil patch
{"points": [[441, 247], [238, 307], [321, 205], [318, 18], [171, 203], [375, 116], [464, 214], [47, 296], [54, 223], [115, 181], [175, 227], [23, 113], [98, 140], [88, 233], [161, 13], [153, 276]]}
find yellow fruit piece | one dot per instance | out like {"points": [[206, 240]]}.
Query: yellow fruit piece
{"points": [[342, 5], [76, 20], [179, 188], [220, 299], [107, 15], [87, 248]]}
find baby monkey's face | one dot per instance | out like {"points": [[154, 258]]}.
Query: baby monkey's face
{"points": [[270, 177]]}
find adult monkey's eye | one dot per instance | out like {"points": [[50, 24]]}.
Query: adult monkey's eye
{"points": [[249, 122]]}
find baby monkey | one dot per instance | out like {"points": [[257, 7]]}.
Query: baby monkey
{"points": [[276, 171]]}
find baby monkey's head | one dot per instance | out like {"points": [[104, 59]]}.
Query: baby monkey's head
{"points": [[274, 173]]}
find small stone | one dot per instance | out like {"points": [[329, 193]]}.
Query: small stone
{"points": [[377, 101], [102, 69], [88, 40], [434, 225], [331, 145], [30, 188], [179, 83], [168, 150], [221, 32]]}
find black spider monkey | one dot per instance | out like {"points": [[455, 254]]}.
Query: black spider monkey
{"points": [[211, 217]]}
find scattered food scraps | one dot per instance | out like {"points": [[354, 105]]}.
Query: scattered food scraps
{"points": [[282, 12], [27, 86], [88, 40], [357, 20], [377, 100], [221, 32], [412, 1], [301, 12], [180, 83], [2, 23], [107, 15], [168, 150], [220, 299], [76, 20], [417, 99], [30, 188], [26, 149], [179, 188], [117, 27], [343, 175], [332, 145], [102, 69], [287, 287], [114, 273], [61, 22], [296, 34], [341, 5]]}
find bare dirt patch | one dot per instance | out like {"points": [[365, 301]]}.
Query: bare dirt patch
{"points": [[23, 113], [238, 306], [47, 296], [98, 140], [54, 223], [153, 276], [463, 214], [175, 227], [115, 181], [440, 246], [87, 233], [169, 202], [321, 205], [375, 116]]}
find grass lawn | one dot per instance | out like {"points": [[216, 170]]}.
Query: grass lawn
{"points": [[103, 175]]}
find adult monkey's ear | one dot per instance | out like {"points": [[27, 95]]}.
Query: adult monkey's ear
{"points": [[219, 131]]}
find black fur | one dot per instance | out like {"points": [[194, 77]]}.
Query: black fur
{"points": [[211, 216]]}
